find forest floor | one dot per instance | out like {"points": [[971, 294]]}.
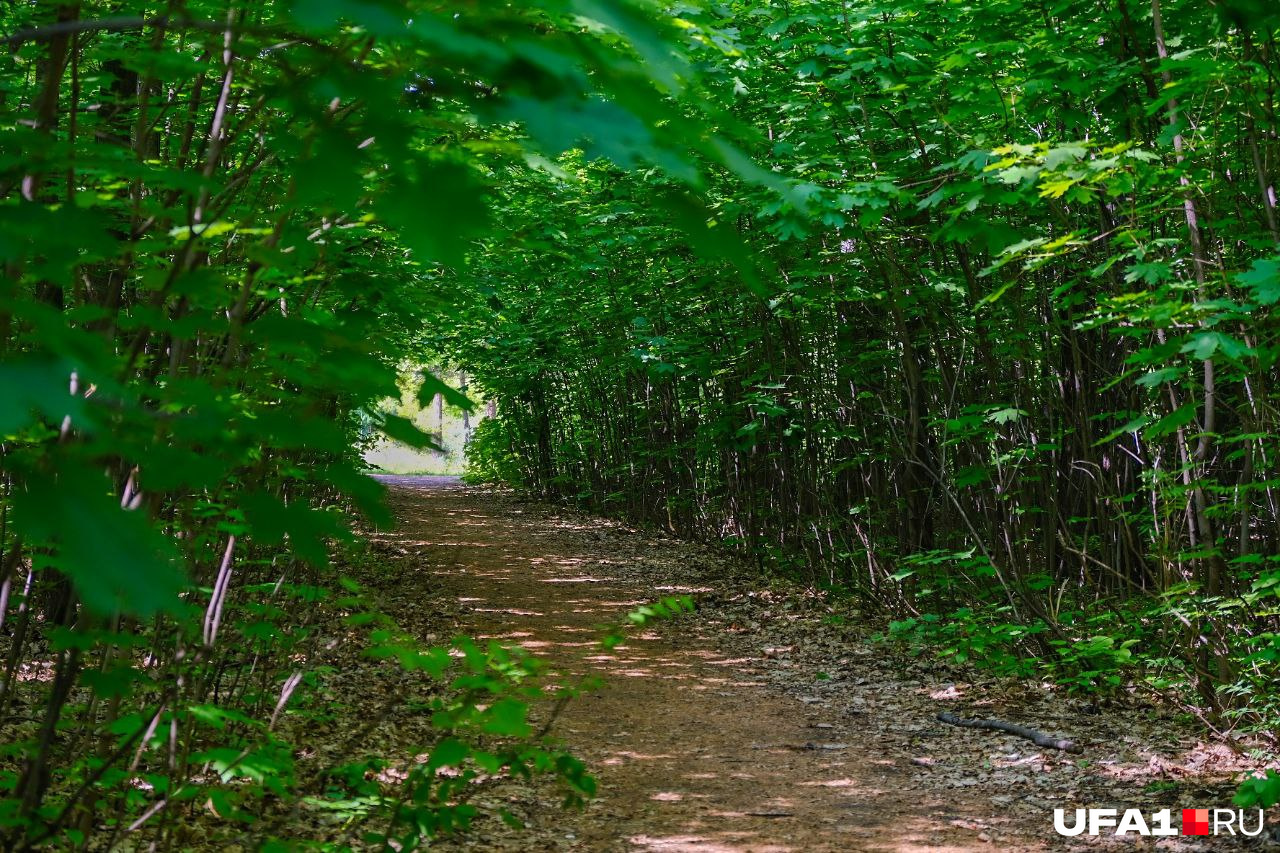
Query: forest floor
{"points": [[768, 720]]}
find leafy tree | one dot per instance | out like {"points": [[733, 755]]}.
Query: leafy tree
{"points": [[999, 360], [224, 226]]}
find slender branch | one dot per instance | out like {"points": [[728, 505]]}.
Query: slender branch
{"points": [[1036, 737], [117, 25]]}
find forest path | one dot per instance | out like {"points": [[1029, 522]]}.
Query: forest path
{"points": [[694, 750]]}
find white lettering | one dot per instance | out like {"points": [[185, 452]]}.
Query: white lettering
{"points": [[1132, 822], [1257, 831], [1099, 818], [1060, 822], [1162, 823]]}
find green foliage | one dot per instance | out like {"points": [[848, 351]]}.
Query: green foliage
{"points": [[485, 733], [963, 309], [1081, 652], [114, 558], [1259, 791], [997, 340], [490, 456], [664, 608], [223, 228]]}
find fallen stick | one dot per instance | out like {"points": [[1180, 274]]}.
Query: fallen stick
{"points": [[1038, 738]]}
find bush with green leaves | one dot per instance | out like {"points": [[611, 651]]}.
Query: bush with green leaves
{"points": [[1016, 314], [224, 226]]}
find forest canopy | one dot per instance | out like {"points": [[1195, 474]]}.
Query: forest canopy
{"points": [[966, 310]]}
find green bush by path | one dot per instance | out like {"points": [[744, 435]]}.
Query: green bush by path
{"points": [[1002, 362], [223, 226]]}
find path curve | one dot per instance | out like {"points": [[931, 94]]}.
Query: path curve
{"points": [[693, 750]]}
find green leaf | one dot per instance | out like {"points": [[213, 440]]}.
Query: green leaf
{"points": [[36, 387], [404, 430], [1172, 422], [1263, 278], [1259, 792], [1006, 415], [436, 210], [507, 717], [711, 239], [116, 559], [1203, 345], [1159, 377], [449, 752], [432, 386]]}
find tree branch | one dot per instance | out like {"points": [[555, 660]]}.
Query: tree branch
{"points": [[113, 25]]}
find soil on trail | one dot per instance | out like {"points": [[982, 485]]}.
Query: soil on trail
{"points": [[692, 750], [701, 745]]}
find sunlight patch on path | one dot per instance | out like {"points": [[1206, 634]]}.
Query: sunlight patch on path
{"points": [[693, 750]]}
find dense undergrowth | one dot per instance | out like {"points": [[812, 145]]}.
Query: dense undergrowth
{"points": [[965, 309], [1002, 363], [222, 227]]}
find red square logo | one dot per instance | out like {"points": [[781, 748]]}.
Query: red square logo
{"points": [[1195, 821]]}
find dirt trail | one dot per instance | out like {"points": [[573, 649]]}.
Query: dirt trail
{"points": [[694, 749]]}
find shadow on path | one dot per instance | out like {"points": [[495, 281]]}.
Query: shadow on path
{"points": [[693, 750]]}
